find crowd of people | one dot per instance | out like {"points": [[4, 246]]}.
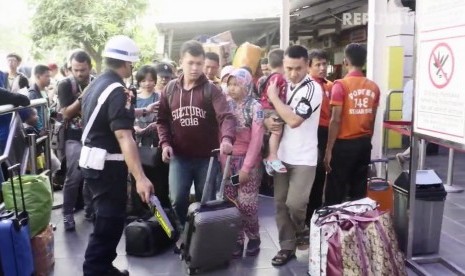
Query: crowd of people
{"points": [[287, 121]]}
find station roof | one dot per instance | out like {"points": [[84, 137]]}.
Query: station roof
{"points": [[242, 30], [307, 17]]}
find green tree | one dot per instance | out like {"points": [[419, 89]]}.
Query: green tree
{"points": [[83, 23], [146, 40]]}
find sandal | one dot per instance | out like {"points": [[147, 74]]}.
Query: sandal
{"points": [[283, 257], [277, 166], [269, 170]]}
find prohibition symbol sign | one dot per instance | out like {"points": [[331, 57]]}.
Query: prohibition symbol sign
{"points": [[441, 65]]}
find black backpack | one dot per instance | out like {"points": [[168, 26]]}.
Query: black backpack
{"points": [[146, 237]]}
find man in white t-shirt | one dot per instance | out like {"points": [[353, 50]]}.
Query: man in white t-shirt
{"points": [[298, 150]]}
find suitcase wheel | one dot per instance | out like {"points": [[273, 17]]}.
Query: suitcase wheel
{"points": [[192, 271]]}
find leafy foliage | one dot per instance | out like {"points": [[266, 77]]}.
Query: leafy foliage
{"points": [[83, 23]]}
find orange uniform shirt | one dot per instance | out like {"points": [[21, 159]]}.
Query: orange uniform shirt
{"points": [[359, 98], [325, 113]]}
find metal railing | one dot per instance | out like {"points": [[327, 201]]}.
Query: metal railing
{"points": [[22, 148], [387, 115]]}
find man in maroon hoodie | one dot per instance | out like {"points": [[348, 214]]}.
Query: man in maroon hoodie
{"points": [[193, 118]]}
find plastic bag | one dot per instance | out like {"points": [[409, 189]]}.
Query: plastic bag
{"points": [[37, 197]]}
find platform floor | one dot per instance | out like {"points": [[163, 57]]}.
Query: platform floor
{"points": [[70, 247]]}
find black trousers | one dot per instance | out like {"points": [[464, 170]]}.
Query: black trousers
{"points": [[109, 190], [316, 195], [349, 163], [159, 178]]}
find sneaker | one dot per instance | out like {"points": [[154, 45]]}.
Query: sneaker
{"points": [[89, 216], [178, 247], [238, 251], [253, 247], [68, 222]]}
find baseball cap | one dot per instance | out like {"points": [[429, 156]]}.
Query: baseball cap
{"points": [[164, 69]]}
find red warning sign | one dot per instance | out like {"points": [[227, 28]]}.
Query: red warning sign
{"points": [[441, 65]]}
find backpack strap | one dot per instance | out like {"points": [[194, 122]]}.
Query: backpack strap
{"points": [[262, 85], [74, 88], [32, 90], [247, 112], [170, 91], [207, 94], [208, 98]]}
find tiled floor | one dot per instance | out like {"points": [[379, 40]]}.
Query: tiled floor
{"points": [[70, 247]]}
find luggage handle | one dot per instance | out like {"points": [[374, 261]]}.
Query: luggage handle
{"points": [[21, 217], [227, 167], [386, 165], [11, 169], [207, 188]]}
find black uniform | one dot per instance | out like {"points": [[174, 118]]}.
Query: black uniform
{"points": [[109, 185]]}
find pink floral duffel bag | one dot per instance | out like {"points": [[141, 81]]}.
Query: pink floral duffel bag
{"points": [[363, 244], [323, 226]]}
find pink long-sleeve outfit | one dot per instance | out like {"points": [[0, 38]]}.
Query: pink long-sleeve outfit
{"points": [[247, 157]]}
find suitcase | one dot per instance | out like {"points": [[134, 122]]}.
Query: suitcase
{"points": [[15, 246], [379, 189], [211, 229]]}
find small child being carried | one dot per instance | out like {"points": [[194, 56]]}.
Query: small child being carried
{"points": [[275, 62]]}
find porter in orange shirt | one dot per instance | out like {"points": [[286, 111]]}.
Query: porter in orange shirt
{"points": [[354, 102]]}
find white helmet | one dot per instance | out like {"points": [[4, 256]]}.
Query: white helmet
{"points": [[121, 47]]}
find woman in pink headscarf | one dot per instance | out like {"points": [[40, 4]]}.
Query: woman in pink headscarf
{"points": [[246, 159]]}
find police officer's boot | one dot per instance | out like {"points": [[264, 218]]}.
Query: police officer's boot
{"points": [[116, 272]]}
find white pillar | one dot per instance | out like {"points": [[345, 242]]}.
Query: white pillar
{"points": [[285, 24], [170, 43], [160, 44], [376, 68]]}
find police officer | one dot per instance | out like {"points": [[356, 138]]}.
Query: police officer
{"points": [[110, 132]]}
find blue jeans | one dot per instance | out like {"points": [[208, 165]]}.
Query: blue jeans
{"points": [[184, 171]]}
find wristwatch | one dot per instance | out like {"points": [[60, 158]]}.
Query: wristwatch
{"points": [[144, 112]]}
